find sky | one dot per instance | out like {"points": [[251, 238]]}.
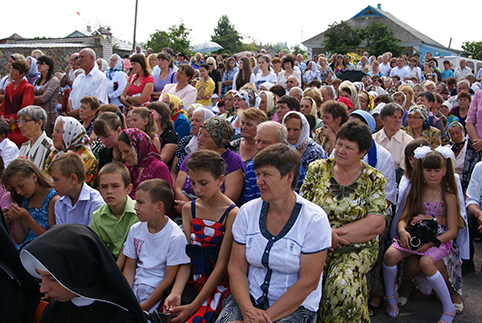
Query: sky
{"points": [[262, 22]]}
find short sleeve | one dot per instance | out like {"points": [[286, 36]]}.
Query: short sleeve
{"points": [[176, 254], [233, 163], [375, 197], [318, 233], [240, 225], [129, 249]]}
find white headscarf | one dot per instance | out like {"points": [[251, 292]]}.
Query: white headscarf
{"points": [[192, 145], [304, 138]]}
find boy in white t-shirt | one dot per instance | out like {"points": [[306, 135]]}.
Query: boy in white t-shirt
{"points": [[155, 246]]}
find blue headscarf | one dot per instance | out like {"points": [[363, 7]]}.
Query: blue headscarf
{"points": [[118, 67], [33, 68]]}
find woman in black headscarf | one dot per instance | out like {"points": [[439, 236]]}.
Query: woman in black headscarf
{"points": [[80, 276]]}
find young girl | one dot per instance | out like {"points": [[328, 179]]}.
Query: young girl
{"points": [[33, 211], [433, 195], [108, 127], [143, 119], [207, 224]]}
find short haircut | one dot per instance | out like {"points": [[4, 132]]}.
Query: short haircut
{"points": [[390, 109], [281, 132], [278, 90], [451, 81], [254, 114], [283, 158], [207, 160], [336, 109], [427, 95], [20, 65], [115, 168], [159, 191], [205, 66], [69, 163], [35, 112], [464, 94], [289, 59], [292, 102], [276, 60], [356, 131], [382, 98], [187, 69], [3, 129], [92, 101]]}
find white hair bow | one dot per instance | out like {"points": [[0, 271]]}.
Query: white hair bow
{"points": [[421, 152]]}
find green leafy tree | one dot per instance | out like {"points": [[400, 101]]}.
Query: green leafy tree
{"points": [[341, 38], [176, 37], [227, 36], [380, 39], [298, 50], [474, 47]]}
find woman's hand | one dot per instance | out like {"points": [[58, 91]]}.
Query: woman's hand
{"points": [[419, 218], [255, 315], [179, 313], [477, 144], [425, 246], [405, 239], [336, 240], [327, 131], [18, 213], [4, 120]]}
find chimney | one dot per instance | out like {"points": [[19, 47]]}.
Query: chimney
{"points": [[379, 6], [89, 29]]}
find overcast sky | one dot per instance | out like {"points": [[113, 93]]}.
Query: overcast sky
{"points": [[261, 21]]}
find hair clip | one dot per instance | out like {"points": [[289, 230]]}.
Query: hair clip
{"points": [[421, 152], [446, 152]]}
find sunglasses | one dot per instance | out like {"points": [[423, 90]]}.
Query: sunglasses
{"points": [[41, 63]]}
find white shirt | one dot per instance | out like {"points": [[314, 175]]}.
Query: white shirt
{"points": [[38, 151], [89, 201], [458, 73], [403, 72], [8, 151], [396, 145], [94, 84], [155, 251], [309, 233], [252, 79], [385, 69], [187, 95]]}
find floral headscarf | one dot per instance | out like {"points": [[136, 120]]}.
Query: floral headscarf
{"points": [[175, 106], [304, 138], [73, 134], [220, 130], [365, 95], [143, 150], [249, 98], [117, 68], [419, 111]]}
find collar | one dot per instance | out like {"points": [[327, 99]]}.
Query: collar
{"points": [[3, 143], [128, 208], [81, 301]]}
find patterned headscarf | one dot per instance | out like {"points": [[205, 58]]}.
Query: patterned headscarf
{"points": [[176, 106], [232, 111], [117, 68], [143, 150], [250, 99], [220, 130], [73, 134], [365, 95], [304, 138], [419, 111]]}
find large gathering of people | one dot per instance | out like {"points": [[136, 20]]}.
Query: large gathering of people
{"points": [[254, 188]]}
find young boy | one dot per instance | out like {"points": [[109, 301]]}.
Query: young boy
{"points": [[155, 247], [77, 200], [113, 220]]}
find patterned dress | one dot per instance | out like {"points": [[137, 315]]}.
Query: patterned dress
{"points": [[206, 239], [345, 297], [41, 216]]}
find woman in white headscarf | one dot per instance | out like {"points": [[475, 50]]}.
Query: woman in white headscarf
{"points": [[33, 73], [299, 139], [349, 91], [311, 73], [102, 64], [267, 105], [117, 80]]}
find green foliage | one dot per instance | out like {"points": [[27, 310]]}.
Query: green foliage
{"points": [[341, 38], [227, 36], [298, 50], [176, 37], [474, 47], [380, 39]]}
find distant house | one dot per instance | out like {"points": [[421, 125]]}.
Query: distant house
{"points": [[413, 40]]}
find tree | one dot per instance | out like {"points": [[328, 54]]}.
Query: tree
{"points": [[380, 39], [298, 50], [341, 38], [227, 36], [177, 38], [474, 47]]}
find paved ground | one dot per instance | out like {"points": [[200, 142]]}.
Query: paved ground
{"points": [[428, 309]]}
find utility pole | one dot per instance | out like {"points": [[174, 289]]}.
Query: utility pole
{"points": [[135, 27]]}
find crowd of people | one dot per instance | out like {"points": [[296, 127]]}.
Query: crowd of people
{"points": [[221, 189]]}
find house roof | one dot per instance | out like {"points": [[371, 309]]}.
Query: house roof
{"points": [[13, 36], [401, 30], [79, 33]]}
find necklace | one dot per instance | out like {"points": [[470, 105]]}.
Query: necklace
{"points": [[431, 199]]}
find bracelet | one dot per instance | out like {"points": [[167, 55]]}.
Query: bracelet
{"points": [[190, 312]]}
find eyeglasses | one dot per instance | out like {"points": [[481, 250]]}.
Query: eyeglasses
{"points": [[23, 121], [41, 63], [210, 64]]}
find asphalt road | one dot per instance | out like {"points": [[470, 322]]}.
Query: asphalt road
{"points": [[429, 309]]}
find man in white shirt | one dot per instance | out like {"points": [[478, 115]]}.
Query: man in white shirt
{"points": [[349, 65], [91, 82], [385, 65], [462, 70], [8, 149], [400, 70]]}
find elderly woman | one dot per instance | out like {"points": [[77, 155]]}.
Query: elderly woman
{"points": [[334, 114], [163, 75], [117, 80], [352, 194], [46, 90], [31, 121], [458, 144], [418, 126], [288, 65], [267, 104], [349, 91], [215, 134], [69, 134], [102, 64], [326, 73], [366, 101], [18, 95], [33, 73], [299, 139], [308, 106], [243, 100], [279, 250], [80, 277], [311, 73], [245, 146], [139, 85]]}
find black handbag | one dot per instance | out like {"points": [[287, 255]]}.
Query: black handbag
{"points": [[423, 232]]}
